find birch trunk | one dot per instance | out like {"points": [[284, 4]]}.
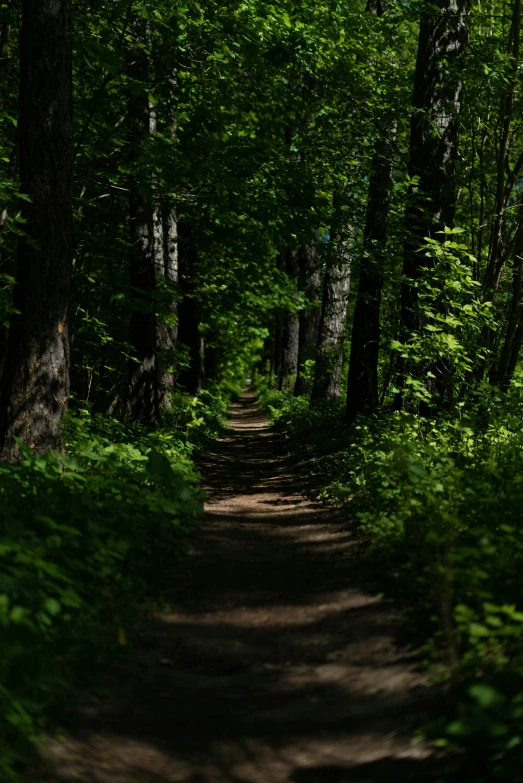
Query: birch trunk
{"points": [[433, 149], [309, 318], [336, 288]]}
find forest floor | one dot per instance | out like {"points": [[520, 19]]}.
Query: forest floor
{"points": [[279, 661]]}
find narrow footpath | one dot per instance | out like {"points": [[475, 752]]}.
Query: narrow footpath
{"points": [[278, 664]]}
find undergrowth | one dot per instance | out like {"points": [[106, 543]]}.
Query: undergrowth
{"points": [[441, 501], [89, 539]]}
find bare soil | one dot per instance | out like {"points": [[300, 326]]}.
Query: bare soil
{"points": [[278, 663]]}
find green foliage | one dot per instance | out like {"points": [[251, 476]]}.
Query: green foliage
{"points": [[441, 502], [454, 317], [85, 538], [264, 112]]}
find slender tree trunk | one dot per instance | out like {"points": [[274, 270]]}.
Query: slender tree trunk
{"points": [[192, 376], [502, 373], [500, 246], [5, 34], [506, 177], [34, 388], [166, 333], [291, 331], [277, 360], [362, 386], [145, 240], [167, 268], [433, 147], [329, 355], [309, 318], [515, 351]]}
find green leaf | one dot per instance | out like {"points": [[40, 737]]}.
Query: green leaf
{"points": [[485, 695]]}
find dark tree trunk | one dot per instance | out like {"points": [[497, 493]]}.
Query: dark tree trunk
{"points": [[362, 389], [192, 376], [277, 359], [309, 318], [336, 287], [5, 34], [141, 393], [362, 386], [503, 372], [212, 369], [515, 351], [291, 331], [433, 147], [376, 7], [506, 175], [35, 383]]}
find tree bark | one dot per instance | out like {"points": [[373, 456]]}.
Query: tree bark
{"points": [[166, 333], [167, 264], [433, 148], [192, 375], [309, 318], [5, 34], [291, 331], [503, 372], [336, 288], [376, 7], [277, 359], [34, 388], [506, 178], [362, 386], [141, 393]]}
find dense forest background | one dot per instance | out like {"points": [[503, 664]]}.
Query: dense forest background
{"points": [[325, 197]]}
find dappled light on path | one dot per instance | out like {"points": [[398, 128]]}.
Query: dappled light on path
{"points": [[277, 663]]}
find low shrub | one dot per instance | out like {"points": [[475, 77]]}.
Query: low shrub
{"points": [[441, 500], [85, 538]]}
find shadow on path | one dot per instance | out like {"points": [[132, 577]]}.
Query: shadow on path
{"points": [[278, 663]]}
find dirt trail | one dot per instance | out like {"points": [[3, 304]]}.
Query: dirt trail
{"points": [[277, 665]]}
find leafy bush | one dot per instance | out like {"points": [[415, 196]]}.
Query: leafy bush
{"points": [[441, 501], [84, 537]]}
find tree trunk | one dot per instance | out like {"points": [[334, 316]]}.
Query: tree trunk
{"points": [[291, 331], [166, 332], [35, 383], [141, 393], [503, 372], [192, 375], [336, 287], [309, 318], [5, 32], [506, 178], [167, 260], [376, 7], [277, 359], [433, 147], [362, 386]]}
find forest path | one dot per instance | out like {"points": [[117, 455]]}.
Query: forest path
{"points": [[278, 664]]}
